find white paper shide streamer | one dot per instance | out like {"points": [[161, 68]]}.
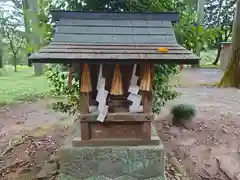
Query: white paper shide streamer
{"points": [[134, 96], [101, 97]]}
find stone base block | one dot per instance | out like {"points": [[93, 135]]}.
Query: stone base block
{"points": [[67, 177], [118, 163], [111, 162]]}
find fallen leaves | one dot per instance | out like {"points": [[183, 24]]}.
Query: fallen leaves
{"points": [[7, 151], [229, 165], [19, 122], [26, 158], [13, 167]]}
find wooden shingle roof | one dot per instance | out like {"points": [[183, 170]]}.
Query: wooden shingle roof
{"points": [[103, 37]]}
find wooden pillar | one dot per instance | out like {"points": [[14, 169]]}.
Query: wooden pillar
{"points": [[84, 109], [147, 103], [70, 75], [147, 95]]}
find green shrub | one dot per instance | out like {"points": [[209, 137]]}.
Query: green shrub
{"points": [[59, 87], [183, 113], [163, 90]]}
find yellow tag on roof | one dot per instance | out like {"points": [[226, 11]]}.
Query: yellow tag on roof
{"points": [[162, 49]]}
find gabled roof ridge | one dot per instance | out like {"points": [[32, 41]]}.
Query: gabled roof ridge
{"points": [[168, 16]]}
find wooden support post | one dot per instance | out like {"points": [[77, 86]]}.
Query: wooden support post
{"points": [[147, 95], [70, 76], [84, 103], [142, 69], [181, 67], [84, 109], [147, 108], [147, 103]]}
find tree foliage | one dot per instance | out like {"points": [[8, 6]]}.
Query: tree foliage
{"points": [[60, 88], [219, 16], [163, 91], [37, 24], [186, 31], [13, 37]]}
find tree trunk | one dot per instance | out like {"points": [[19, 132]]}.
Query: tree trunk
{"points": [[26, 21], [1, 52], [15, 63], [1, 58], [200, 16], [232, 74], [218, 54], [32, 7]]}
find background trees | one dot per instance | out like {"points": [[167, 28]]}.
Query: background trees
{"points": [[1, 51], [219, 16], [13, 37], [217, 25], [231, 76]]}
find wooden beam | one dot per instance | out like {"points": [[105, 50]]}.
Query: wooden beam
{"points": [[78, 142], [119, 117], [113, 56], [191, 59]]}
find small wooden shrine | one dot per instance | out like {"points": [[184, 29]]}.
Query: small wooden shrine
{"points": [[115, 54]]}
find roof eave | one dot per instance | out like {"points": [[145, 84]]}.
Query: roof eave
{"points": [[193, 61], [168, 16]]}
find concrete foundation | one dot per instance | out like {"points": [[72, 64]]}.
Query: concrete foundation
{"points": [[111, 162]]}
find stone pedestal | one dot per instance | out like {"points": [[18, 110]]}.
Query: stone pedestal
{"points": [[225, 55], [112, 162]]}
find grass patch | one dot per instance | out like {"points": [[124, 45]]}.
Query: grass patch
{"points": [[210, 66], [21, 86], [207, 57], [210, 84]]}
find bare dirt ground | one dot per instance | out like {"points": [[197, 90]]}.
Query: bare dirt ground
{"points": [[18, 119], [209, 147], [31, 133]]}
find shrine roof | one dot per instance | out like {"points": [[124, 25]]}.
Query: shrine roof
{"points": [[114, 37]]}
